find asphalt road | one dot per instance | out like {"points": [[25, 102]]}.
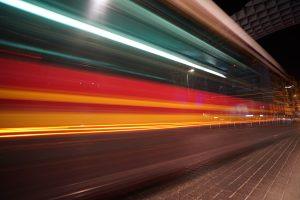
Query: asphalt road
{"points": [[101, 166]]}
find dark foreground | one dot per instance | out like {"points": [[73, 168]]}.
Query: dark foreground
{"points": [[269, 173], [102, 166]]}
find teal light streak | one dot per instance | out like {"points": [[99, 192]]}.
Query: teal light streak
{"points": [[76, 59], [42, 12]]}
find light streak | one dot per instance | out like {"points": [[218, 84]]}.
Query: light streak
{"points": [[112, 128], [74, 98], [48, 14]]}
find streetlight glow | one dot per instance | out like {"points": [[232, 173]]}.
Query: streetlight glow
{"points": [[290, 86]]}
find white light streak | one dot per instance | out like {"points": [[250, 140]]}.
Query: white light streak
{"points": [[42, 12]]}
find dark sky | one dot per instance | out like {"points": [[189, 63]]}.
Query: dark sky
{"points": [[231, 6], [283, 45]]}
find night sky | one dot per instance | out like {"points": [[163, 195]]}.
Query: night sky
{"points": [[283, 45]]}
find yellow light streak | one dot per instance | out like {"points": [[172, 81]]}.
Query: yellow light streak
{"points": [[81, 131], [32, 124], [18, 94]]}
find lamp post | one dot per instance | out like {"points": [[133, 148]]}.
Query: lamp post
{"points": [[291, 91], [187, 77]]}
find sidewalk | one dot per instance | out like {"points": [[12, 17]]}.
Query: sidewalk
{"points": [[270, 173]]}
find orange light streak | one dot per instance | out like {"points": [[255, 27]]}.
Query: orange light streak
{"points": [[97, 129], [16, 94]]}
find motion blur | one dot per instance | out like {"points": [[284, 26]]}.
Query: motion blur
{"points": [[101, 95]]}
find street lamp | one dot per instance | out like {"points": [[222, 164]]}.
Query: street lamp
{"points": [[187, 76], [288, 87]]}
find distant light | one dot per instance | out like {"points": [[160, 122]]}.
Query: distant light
{"points": [[97, 8], [191, 70], [290, 86], [248, 115], [216, 117], [261, 115], [42, 12]]}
